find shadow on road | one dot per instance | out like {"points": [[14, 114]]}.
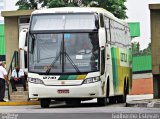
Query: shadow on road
{"points": [[84, 105]]}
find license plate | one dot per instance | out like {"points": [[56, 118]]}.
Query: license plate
{"points": [[63, 91]]}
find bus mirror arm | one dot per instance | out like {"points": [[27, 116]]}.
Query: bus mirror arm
{"points": [[102, 67]]}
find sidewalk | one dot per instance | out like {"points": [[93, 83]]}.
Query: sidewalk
{"points": [[142, 101], [10, 103], [19, 103], [23, 103]]}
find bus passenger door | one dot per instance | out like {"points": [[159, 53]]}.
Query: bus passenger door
{"points": [[23, 49], [109, 68]]}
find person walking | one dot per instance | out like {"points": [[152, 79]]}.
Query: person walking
{"points": [[3, 77]]}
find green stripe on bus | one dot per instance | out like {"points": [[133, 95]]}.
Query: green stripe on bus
{"points": [[63, 77], [114, 68], [72, 77]]}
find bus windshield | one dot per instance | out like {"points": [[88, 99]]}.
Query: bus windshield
{"points": [[63, 52]]}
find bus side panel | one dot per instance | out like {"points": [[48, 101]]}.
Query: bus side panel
{"points": [[121, 69], [114, 69]]}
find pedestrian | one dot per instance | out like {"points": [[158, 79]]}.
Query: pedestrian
{"points": [[18, 77], [3, 77]]}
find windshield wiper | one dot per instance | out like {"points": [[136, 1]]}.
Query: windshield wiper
{"points": [[59, 55], [55, 60], [53, 63], [71, 61]]}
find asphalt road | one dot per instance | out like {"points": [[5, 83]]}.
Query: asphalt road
{"points": [[87, 110], [84, 111]]}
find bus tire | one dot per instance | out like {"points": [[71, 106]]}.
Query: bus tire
{"points": [[45, 103], [123, 98], [104, 101]]}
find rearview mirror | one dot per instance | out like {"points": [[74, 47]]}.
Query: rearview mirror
{"points": [[22, 39], [102, 37]]}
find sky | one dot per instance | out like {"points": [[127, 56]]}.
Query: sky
{"points": [[7, 5], [10, 5], [138, 11]]}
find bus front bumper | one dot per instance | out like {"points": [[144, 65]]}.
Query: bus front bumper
{"points": [[92, 90]]}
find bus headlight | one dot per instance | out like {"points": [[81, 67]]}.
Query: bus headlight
{"points": [[35, 80], [91, 80]]}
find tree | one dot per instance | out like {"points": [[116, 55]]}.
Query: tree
{"points": [[135, 49], [116, 7], [147, 51], [24, 4], [137, 52]]}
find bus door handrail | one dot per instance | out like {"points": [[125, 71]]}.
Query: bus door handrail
{"points": [[14, 62]]}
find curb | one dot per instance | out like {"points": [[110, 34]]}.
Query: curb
{"points": [[25, 103], [19, 103], [143, 104]]}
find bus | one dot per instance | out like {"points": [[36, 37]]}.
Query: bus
{"points": [[77, 54]]}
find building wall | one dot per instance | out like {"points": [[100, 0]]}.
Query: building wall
{"points": [[11, 30], [155, 43], [142, 84], [155, 36], [142, 81]]}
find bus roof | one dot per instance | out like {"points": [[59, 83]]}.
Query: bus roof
{"points": [[79, 10]]}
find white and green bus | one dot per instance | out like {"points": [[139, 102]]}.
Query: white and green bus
{"points": [[77, 54]]}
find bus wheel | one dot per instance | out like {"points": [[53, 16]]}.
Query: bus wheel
{"points": [[104, 101], [45, 103], [123, 98]]}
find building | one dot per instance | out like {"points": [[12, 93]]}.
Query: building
{"points": [[142, 75], [14, 21], [4, 5], [155, 43]]}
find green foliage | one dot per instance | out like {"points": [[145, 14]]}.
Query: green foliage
{"points": [[137, 52], [116, 7], [55, 3], [135, 49], [147, 51], [25, 5]]}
